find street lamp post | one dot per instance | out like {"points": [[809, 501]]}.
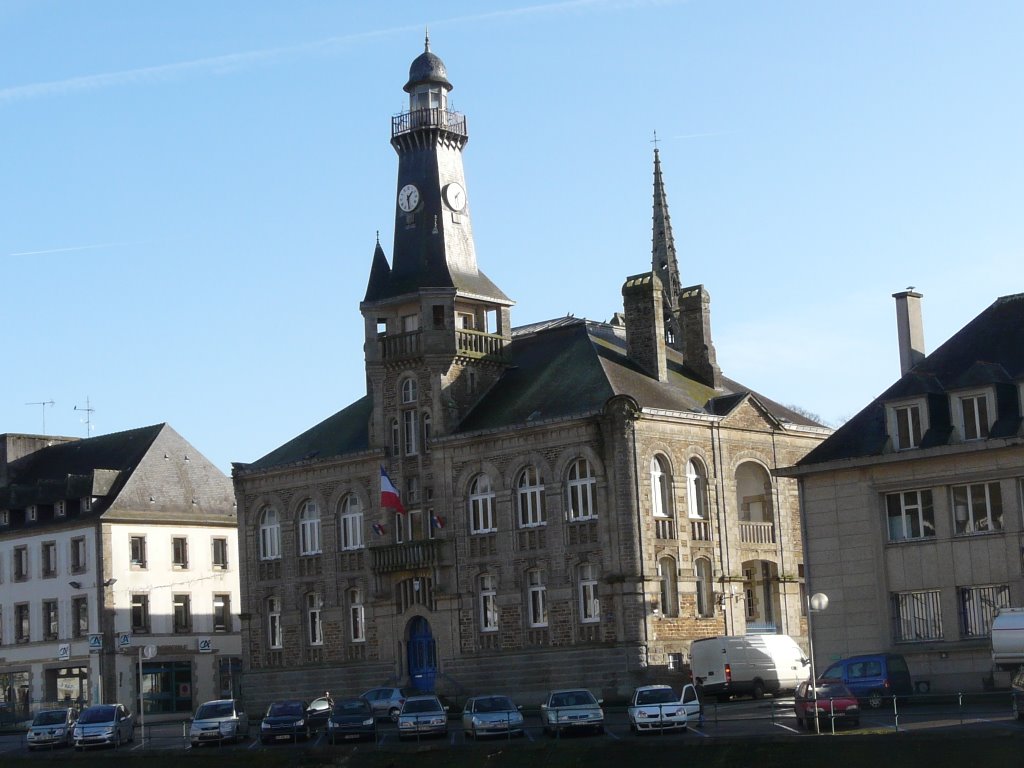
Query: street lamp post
{"points": [[815, 604]]}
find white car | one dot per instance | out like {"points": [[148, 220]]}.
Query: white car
{"points": [[218, 721], [491, 715], [104, 724], [422, 715], [654, 708], [573, 709]]}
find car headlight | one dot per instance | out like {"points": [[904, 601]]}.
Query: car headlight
{"points": [[264, 724], [331, 724], [59, 732], [299, 723], [368, 721], [228, 727]]}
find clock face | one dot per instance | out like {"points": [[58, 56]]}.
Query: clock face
{"points": [[408, 197], [455, 196]]}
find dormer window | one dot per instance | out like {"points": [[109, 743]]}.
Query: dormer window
{"points": [[5, 517], [87, 504], [59, 509], [972, 411], [907, 423], [31, 513]]}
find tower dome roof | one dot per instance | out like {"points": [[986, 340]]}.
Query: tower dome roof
{"points": [[427, 68]]}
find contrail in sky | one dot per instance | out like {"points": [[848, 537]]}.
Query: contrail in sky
{"points": [[69, 249], [238, 61]]}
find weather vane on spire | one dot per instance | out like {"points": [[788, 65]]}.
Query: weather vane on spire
{"points": [[654, 141]]}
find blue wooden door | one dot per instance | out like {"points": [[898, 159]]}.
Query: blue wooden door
{"points": [[422, 655]]}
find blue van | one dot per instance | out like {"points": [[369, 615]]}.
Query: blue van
{"points": [[873, 678]]}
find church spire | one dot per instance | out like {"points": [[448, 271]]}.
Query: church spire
{"points": [[663, 258]]}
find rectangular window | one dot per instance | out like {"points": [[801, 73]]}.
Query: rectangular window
{"points": [[220, 553], [464, 320], [410, 432], [974, 412], [48, 555], [910, 515], [438, 313], [78, 557], [86, 504], [182, 613], [978, 606], [274, 634], [31, 513], [138, 551], [916, 616], [179, 552], [21, 625], [977, 508], [20, 564], [410, 323], [222, 613], [357, 615], [314, 606], [908, 427], [488, 604], [537, 600], [59, 509], [51, 627], [80, 616], [140, 613], [590, 607]]}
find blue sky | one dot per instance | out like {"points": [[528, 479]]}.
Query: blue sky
{"points": [[190, 191]]}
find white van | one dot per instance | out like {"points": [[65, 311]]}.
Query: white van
{"points": [[748, 664]]}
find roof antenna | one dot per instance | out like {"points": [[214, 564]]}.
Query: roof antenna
{"points": [[89, 410], [43, 403], [426, 39]]}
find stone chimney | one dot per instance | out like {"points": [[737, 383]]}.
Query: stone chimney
{"points": [[645, 323], [698, 349], [909, 328]]}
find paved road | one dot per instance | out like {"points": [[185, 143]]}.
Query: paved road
{"points": [[739, 719]]}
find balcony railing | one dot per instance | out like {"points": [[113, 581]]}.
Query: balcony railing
{"points": [[757, 533], [407, 556], [477, 344], [435, 117], [700, 530], [400, 345]]}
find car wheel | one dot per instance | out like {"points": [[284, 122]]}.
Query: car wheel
{"points": [[875, 699], [758, 691]]}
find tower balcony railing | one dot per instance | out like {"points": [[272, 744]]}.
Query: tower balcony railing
{"points": [[757, 533], [400, 345], [432, 117], [408, 556], [477, 344]]}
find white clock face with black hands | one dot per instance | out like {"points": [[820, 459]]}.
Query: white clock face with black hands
{"points": [[455, 196], [408, 198]]}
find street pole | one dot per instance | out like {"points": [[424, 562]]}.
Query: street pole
{"points": [[815, 603]]}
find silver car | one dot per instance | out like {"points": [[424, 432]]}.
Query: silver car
{"points": [[654, 708], [573, 709], [51, 728], [386, 701], [422, 715], [104, 724], [491, 715], [218, 721]]}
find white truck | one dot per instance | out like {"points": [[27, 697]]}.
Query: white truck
{"points": [[1008, 638], [748, 664]]}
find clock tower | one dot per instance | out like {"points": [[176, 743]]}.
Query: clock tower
{"points": [[436, 327]]}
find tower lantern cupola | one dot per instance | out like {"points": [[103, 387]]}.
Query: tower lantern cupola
{"points": [[428, 84]]}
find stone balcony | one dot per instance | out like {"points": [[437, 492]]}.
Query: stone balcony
{"points": [[409, 555]]}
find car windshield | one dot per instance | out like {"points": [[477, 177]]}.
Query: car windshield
{"points": [[97, 715], [215, 709], [494, 704], [50, 717], [285, 709], [656, 696], [421, 705], [573, 699], [350, 707], [829, 690]]}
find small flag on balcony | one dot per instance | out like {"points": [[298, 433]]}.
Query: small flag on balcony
{"points": [[389, 498], [380, 529], [436, 521]]}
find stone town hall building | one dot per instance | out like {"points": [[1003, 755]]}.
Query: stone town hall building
{"points": [[582, 499]]}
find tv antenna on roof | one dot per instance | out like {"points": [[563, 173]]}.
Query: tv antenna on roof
{"points": [[89, 410], [43, 403]]}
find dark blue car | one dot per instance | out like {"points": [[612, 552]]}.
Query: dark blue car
{"points": [[873, 678]]}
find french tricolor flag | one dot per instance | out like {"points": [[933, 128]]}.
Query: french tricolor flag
{"points": [[379, 529], [436, 521], [389, 498]]}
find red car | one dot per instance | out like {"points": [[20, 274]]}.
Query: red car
{"points": [[834, 701]]}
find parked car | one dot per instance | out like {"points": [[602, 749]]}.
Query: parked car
{"points": [[574, 709], [491, 715], [386, 702], [285, 721], [748, 664], [834, 702], [103, 724], [873, 678], [351, 719], [657, 708], [319, 711], [218, 721], [51, 728], [422, 715]]}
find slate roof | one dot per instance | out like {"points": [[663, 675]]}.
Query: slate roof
{"points": [[989, 350], [144, 473], [561, 368]]}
